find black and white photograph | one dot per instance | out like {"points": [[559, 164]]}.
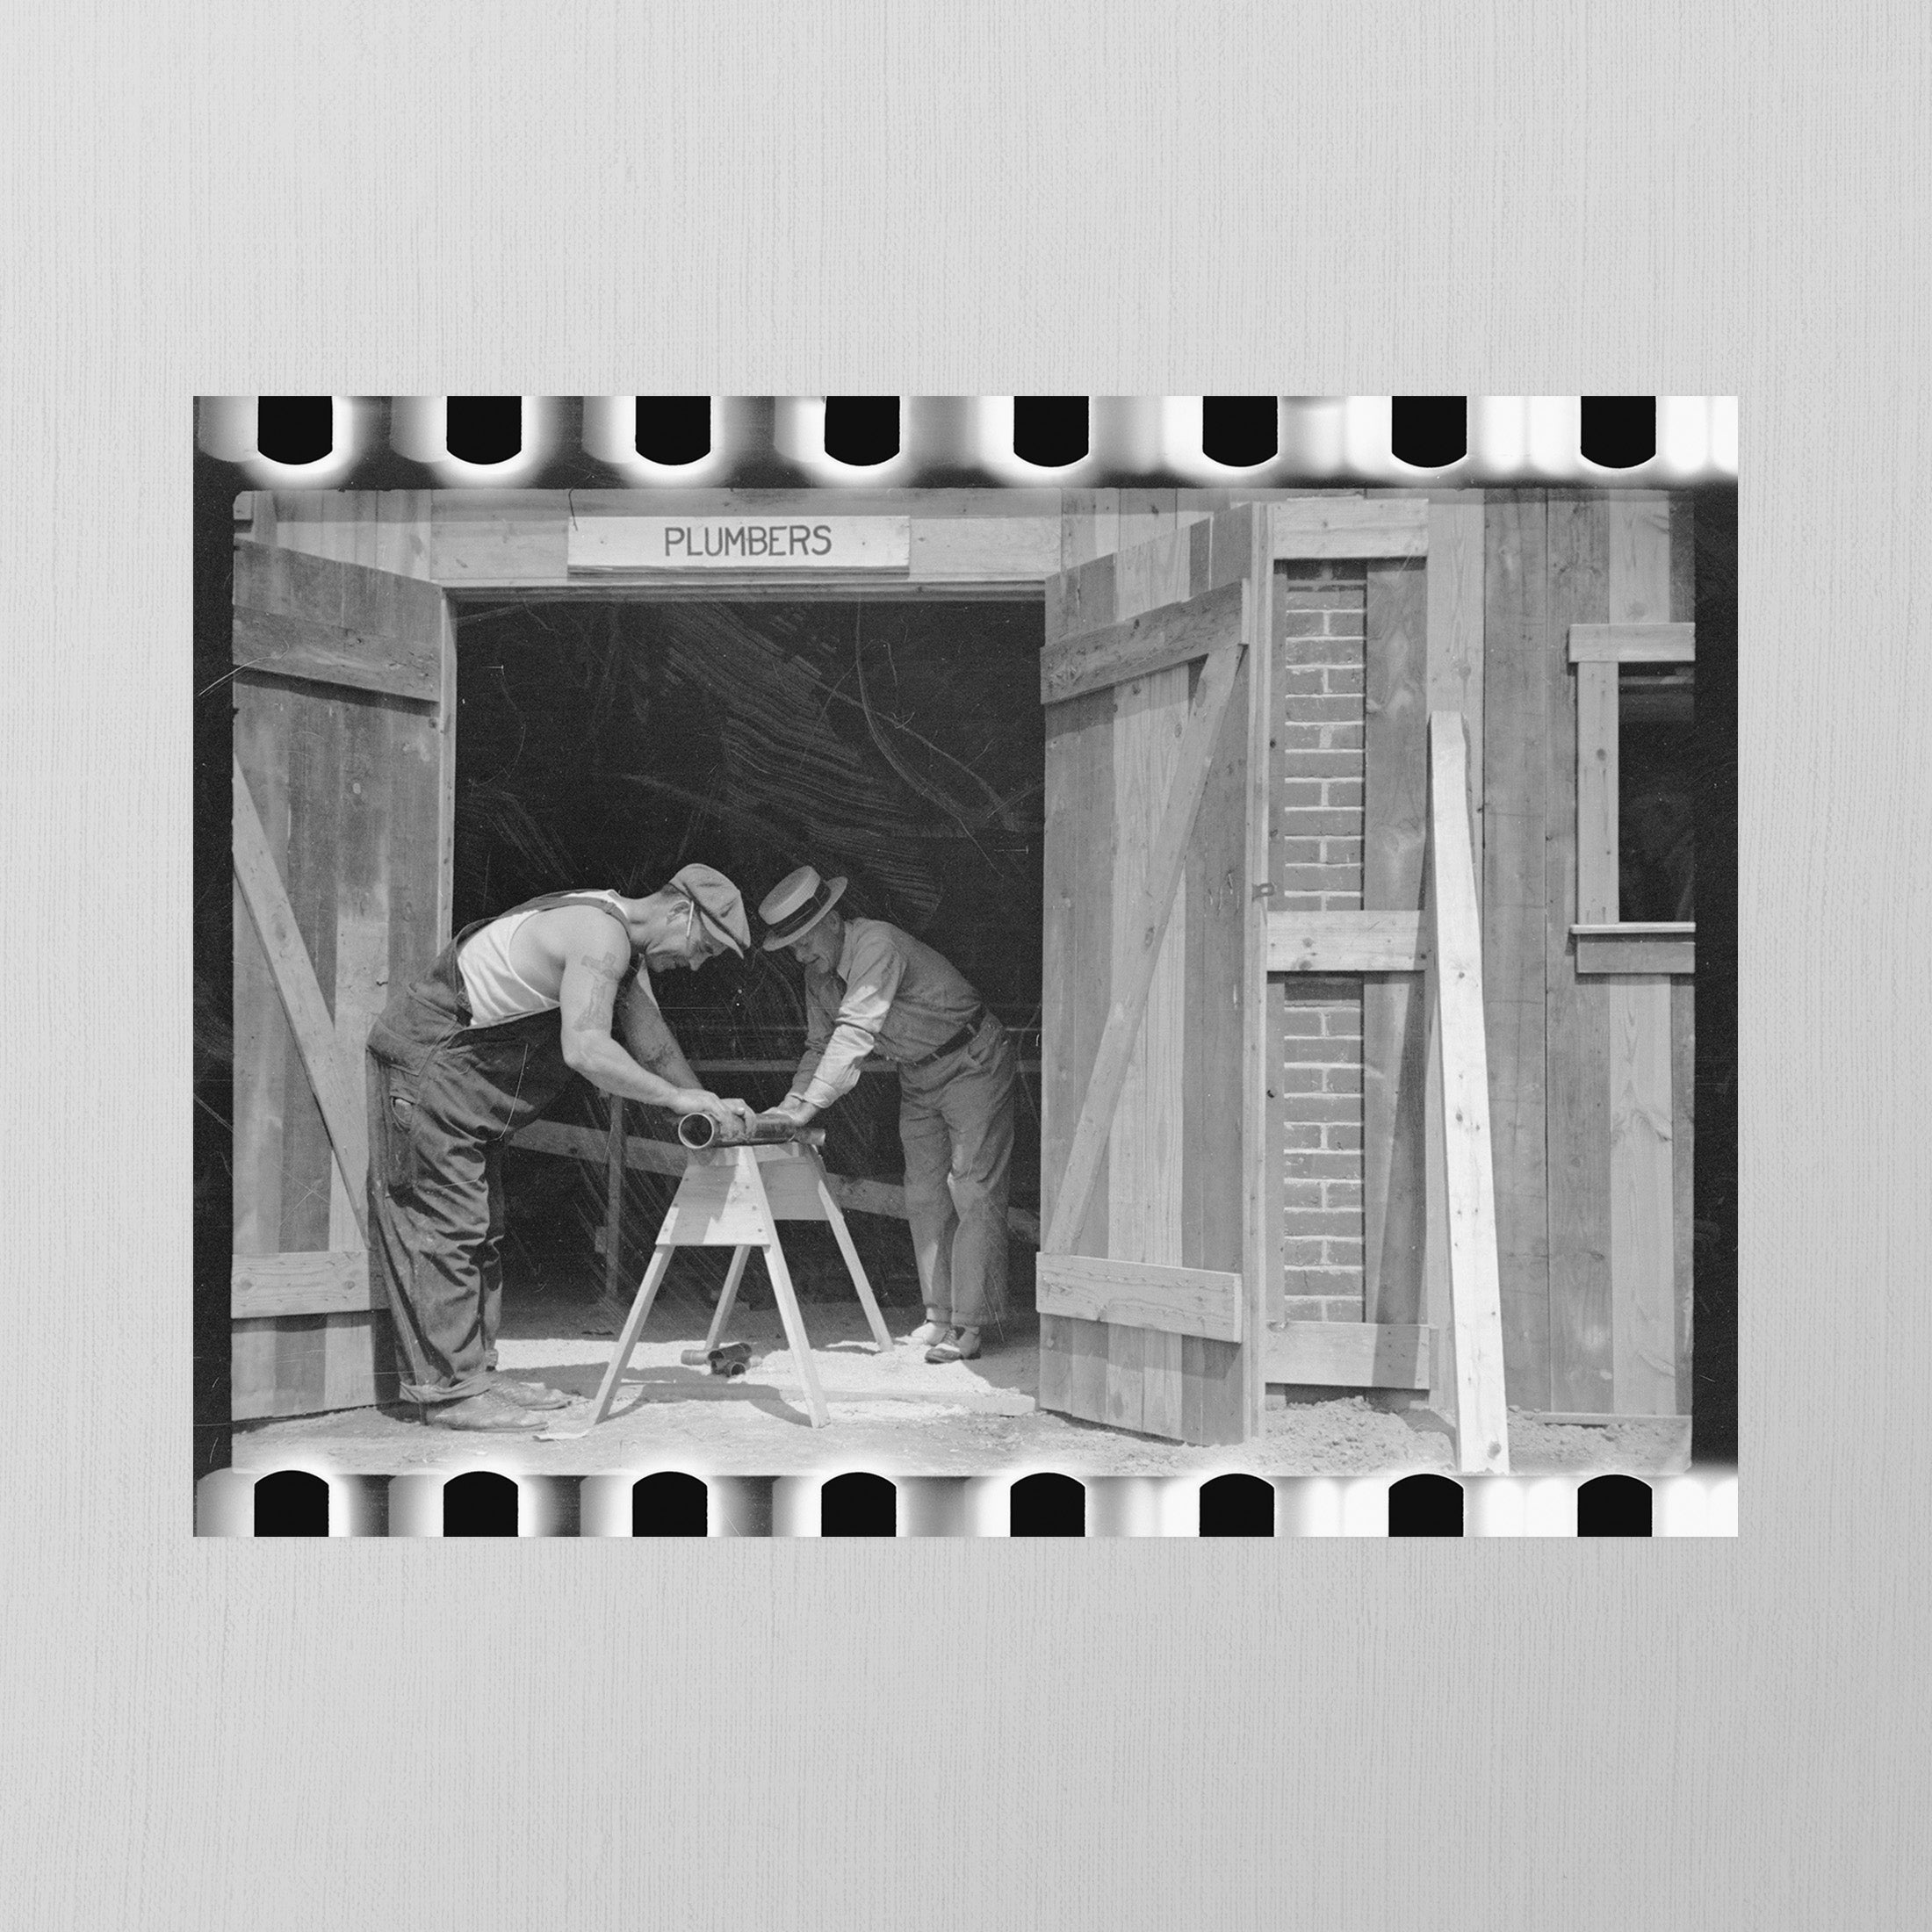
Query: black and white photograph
{"points": [[965, 966], [1143, 980]]}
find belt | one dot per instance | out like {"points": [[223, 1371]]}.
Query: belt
{"points": [[960, 1038]]}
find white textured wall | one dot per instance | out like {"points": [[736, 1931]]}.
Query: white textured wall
{"points": [[1118, 196]]}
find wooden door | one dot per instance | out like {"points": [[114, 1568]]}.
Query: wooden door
{"points": [[343, 697], [1154, 965]]}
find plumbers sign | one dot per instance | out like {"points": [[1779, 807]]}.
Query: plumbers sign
{"points": [[683, 544]]}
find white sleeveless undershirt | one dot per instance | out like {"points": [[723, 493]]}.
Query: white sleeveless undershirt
{"points": [[494, 988]]}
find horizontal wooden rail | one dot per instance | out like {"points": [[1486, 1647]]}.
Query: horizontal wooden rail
{"points": [[1631, 946], [1155, 640], [1311, 527], [650, 1157], [327, 654], [324, 1281], [1348, 1355], [1346, 942], [1639, 929], [1632, 644], [1139, 1294], [1597, 1419], [791, 1066]]}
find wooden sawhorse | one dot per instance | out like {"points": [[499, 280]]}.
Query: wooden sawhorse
{"points": [[734, 1197]]}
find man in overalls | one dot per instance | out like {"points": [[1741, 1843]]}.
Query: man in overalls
{"points": [[475, 1049], [870, 988]]}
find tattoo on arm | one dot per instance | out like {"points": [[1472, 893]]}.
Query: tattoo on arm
{"points": [[593, 1014]]}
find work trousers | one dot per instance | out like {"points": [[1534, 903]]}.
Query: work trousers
{"points": [[443, 1099], [955, 1123], [436, 1232]]}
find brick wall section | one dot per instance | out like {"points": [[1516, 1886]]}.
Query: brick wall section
{"points": [[1316, 838]]}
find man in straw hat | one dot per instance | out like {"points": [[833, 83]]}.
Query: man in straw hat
{"points": [[477, 1047], [870, 988]]}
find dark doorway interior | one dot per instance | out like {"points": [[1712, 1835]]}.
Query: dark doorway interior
{"points": [[1657, 792], [900, 744]]}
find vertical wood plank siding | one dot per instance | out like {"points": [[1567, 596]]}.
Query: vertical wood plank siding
{"points": [[1643, 1234], [1577, 1047], [1683, 1089], [1517, 670], [1643, 1311]]}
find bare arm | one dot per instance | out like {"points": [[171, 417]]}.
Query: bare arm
{"points": [[585, 1003], [825, 1074], [649, 1037]]}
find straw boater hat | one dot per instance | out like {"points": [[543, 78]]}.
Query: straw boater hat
{"points": [[795, 904]]}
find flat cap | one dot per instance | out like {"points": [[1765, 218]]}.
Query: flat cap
{"points": [[719, 903]]}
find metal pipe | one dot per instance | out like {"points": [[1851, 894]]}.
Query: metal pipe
{"points": [[698, 1131]]}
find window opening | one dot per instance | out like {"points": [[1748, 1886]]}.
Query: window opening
{"points": [[1656, 822]]}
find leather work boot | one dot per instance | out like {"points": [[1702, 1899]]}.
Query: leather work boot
{"points": [[527, 1394], [961, 1346], [486, 1411]]}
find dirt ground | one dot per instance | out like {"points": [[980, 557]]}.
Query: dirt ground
{"points": [[896, 1414]]}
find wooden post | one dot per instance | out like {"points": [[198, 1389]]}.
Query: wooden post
{"points": [[614, 1205], [1482, 1430]]}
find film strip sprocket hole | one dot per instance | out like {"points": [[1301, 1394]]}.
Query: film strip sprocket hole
{"points": [[1465, 626], [859, 1503], [457, 442]]}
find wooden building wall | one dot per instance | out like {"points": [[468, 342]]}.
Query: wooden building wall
{"points": [[1590, 1076]]}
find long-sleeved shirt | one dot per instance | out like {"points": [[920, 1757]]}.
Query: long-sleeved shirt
{"points": [[891, 994]]}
